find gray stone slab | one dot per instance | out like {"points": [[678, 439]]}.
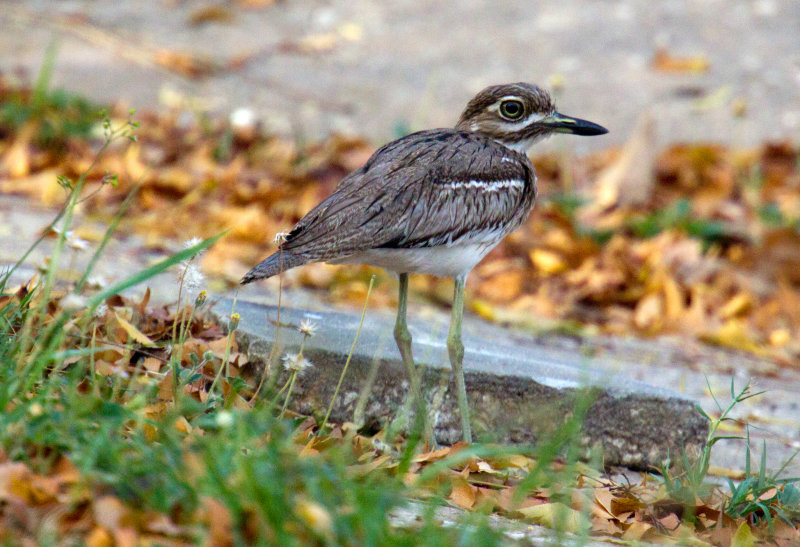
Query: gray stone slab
{"points": [[517, 392], [515, 532]]}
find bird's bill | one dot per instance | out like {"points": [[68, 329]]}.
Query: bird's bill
{"points": [[566, 124]]}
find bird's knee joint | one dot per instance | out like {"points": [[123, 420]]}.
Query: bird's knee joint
{"points": [[455, 347], [402, 335]]}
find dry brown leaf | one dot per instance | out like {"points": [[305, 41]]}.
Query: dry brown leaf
{"points": [[670, 522], [133, 332], [254, 4], [315, 516], [364, 469], [43, 490], [608, 527], [462, 494], [318, 43], [743, 537], [516, 461], [547, 262], [210, 14], [16, 160], [780, 337], [151, 364], [220, 345], [187, 64], [649, 312], [433, 455], [166, 388], [219, 521], [666, 62], [736, 305], [486, 499], [734, 474], [674, 301], [182, 425], [630, 180], [15, 481], [99, 537], [637, 530], [733, 334], [502, 287], [553, 515], [110, 513], [126, 537], [624, 505], [602, 507]]}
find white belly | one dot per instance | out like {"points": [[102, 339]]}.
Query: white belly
{"points": [[444, 261]]}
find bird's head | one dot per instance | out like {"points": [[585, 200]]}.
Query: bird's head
{"points": [[517, 115]]}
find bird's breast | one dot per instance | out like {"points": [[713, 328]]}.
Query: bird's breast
{"points": [[441, 261]]}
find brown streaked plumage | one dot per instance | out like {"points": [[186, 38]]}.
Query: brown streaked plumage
{"points": [[434, 202], [415, 193]]}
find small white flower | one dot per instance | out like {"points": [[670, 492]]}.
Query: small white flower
{"points": [[243, 118], [192, 278], [73, 302], [97, 281], [289, 360], [295, 361], [189, 243], [100, 311], [280, 238], [74, 242], [224, 418], [71, 239], [307, 327]]}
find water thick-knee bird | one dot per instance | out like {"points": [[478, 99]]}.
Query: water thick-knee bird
{"points": [[434, 202]]}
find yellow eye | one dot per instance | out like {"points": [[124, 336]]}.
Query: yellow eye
{"points": [[511, 109]]}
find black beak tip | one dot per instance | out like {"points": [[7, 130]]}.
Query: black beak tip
{"points": [[589, 129], [576, 126]]}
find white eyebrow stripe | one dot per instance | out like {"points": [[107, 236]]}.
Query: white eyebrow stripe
{"points": [[485, 185], [534, 117]]}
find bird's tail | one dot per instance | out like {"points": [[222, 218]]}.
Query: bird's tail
{"points": [[272, 265]]}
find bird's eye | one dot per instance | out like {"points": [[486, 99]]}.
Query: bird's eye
{"points": [[511, 110]]}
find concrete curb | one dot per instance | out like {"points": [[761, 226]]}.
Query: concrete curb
{"points": [[517, 392]]}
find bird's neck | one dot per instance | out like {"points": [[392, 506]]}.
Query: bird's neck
{"points": [[517, 146], [515, 141]]}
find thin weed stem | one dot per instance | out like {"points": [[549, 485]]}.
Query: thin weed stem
{"points": [[288, 393], [180, 295], [275, 344], [295, 370], [232, 326], [278, 394], [92, 366], [349, 355]]}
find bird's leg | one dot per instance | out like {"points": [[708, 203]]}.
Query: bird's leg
{"points": [[456, 350], [403, 339]]}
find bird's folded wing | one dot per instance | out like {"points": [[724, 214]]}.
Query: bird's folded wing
{"points": [[437, 193]]}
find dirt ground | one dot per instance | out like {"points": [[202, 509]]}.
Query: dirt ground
{"points": [[723, 70]]}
